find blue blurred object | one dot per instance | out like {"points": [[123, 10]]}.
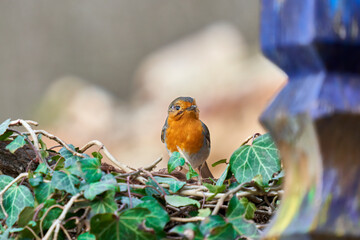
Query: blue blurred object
{"points": [[315, 119]]}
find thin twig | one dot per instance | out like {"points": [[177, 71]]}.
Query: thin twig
{"points": [[107, 154], [33, 233], [65, 231], [58, 221], [191, 219], [152, 177], [223, 197], [58, 140], [129, 192], [44, 216], [36, 151], [249, 138], [150, 168], [17, 122]]}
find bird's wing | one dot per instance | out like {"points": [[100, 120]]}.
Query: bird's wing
{"points": [[163, 131], [206, 133]]}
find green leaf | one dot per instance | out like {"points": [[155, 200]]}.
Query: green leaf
{"points": [[179, 201], [26, 216], [158, 217], [225, 175], [214, 189], [94, 189], [70, 159], [174, 185], [16, 198], [4, 181], [6, 135], [235, 215], [189, 230], [97, 155], [35, 179], [86, 236], [223, 232], [65, 181], [218, 162], [215, 227], [204, 212], [126, 200], [250, 208], [90, 168], [41, 169], [17, 143], [175, 161], [4, 126], [126, 226], [259, 158], [104, 203], [151, 191], [43, 191], [191, 173]]}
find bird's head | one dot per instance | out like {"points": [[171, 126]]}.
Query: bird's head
{"points": [[183, 107]]}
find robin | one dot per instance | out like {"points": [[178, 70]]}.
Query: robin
{"points": [[184, 132]]}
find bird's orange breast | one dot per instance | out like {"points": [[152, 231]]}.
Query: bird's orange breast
{"points": [[186, 133]]}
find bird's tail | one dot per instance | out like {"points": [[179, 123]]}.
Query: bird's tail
{"points": [[205, 171]]}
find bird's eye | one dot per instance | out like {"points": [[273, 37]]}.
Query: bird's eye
{"points": [[176, 107]]}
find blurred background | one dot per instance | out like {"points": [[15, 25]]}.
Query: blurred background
{"points": [[107, 70]]}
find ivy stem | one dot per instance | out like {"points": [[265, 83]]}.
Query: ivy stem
{"points": [[56, 224], [223, 197]]}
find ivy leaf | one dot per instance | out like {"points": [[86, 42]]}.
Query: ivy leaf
{"points": [[4, 126], [43, 191], [214, 189], [189, 230], [126, 200], [179, 201], [218, 162], [259, 158], [152, 191], [104, 204], [175, 161], [210, 222], [250, 208], [97, 155], [94, 189], [204, 212], [86, 236], [215, 227], [5, 135], [174, 185], [225, 175], [126, 226], [16, 198], [4, 181], [25, 216], [17, 143], [70, 159], [35, 179], [41, 168], [235, 216], [65, 181], [158, 217], [191, 173], [90, 168]]}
